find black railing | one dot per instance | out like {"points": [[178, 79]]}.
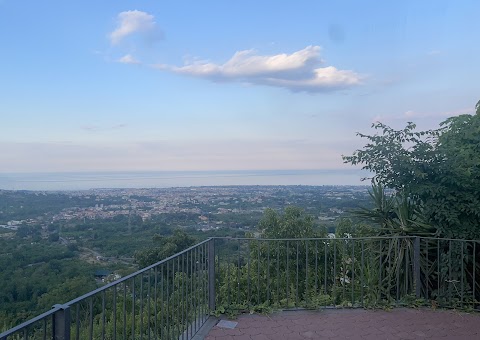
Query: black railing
{"points": [[173, 298], [346, 272], [168, 300]]}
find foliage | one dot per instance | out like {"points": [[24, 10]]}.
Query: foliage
{"points": [[36, 275], [293, 223], [394, 215], [435, 173], [166, 246]]}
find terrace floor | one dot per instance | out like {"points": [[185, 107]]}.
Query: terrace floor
{"points": [[401, 323]]}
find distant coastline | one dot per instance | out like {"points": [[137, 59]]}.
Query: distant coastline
{"points": [[165, 179]]}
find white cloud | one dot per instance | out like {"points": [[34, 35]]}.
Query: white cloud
{"points": [[128, 59], [130, 22], [298, 71]]}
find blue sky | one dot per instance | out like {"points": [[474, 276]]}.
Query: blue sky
{"points": [[222, 85]]}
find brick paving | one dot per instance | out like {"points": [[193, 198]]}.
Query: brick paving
{"points": [[401, 323]]}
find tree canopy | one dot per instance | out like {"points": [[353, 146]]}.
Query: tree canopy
{"points": [[436, 170]]}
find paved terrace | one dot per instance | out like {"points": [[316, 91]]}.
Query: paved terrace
{"points": [[352, 324]]}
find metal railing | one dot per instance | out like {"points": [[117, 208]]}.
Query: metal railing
{"points": [[347, 272], [173, 298], [170, 299]]}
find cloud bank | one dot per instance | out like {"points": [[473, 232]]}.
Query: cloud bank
{"points": [[131, 22], [299, 71]]}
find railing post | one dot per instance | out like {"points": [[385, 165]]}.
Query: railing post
{"points": [[211, 274], [416, 264], [61, 323]]}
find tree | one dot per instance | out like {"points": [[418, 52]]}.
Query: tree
{"points": [[167, 246], [293, 223], [437, 172]]}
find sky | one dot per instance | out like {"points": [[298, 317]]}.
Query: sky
{"points": [[224, 85]]}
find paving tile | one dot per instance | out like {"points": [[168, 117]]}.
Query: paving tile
{"points": [[353, 324]]}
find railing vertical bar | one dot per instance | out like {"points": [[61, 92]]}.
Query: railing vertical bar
{"points": [[168, 299], [438, 268], [216, 258], [325, 273], [461, 274], [189, 300], [194, 290], [178, 308], [114, 312], [187, 295], [162, 300], [268, 272], [211, 273], [205, 282], [133, 307], [103, 314], [362, 273], [316, 267], [203, 290], [199, 286], [192, 294], [450, 271], [380, 255], [196, 300], [427, 270], [407, 267], [141, 306], [353, 272], [288, 276], [307, 299], [344, 268], [25, 333], [258, 272], [389, 259], [228, 278], [191, 305], [278, 272], [238, 272], [296, 277], [248, 275], [397, 270], [77, 322], [155, 304], [124, 310], [184, 297], [91, 319], [416, 259], [474, 284], [149, 300], [334, 288], [45, 329]]}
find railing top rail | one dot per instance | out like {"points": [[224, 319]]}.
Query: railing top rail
{"points": [[141, 271], [447, 239], [30, 322], [313, 238]]}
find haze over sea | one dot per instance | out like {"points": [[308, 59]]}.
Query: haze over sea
{"points": [[165, 179]]}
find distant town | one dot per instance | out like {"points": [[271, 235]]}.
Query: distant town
{"points": [[209, 203]]}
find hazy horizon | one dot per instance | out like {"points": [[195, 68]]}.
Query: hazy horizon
{"points": [[49, 181]]}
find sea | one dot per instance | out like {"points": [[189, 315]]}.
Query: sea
{"points": [[54, 181]]}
